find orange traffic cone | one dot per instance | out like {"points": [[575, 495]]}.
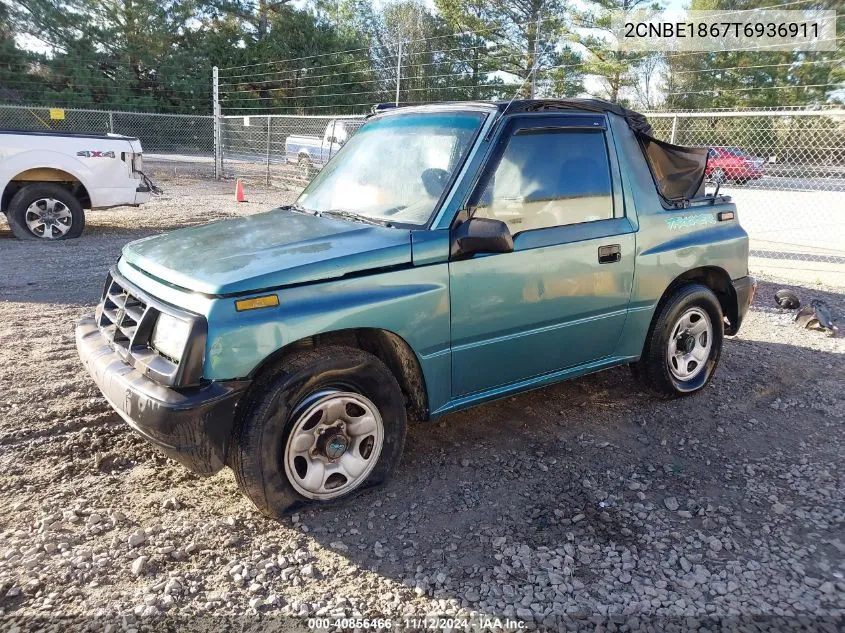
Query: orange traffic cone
{"points": [[239, 191]]}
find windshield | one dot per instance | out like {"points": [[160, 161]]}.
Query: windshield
{"points": [[395, 168]]}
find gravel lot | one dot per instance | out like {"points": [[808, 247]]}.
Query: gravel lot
{"points": [[589, 499]]}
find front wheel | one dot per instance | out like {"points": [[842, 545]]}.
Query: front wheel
{"points": [[45, 211], [327, 424], [683, 347]]}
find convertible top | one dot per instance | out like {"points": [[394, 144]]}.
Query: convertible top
{"points": [[678, 171]]}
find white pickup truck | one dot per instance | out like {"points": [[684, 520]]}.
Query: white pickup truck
{"points": [[47, 179]]}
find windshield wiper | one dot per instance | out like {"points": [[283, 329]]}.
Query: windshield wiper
{"points": [[298, 208], [351, 215]]}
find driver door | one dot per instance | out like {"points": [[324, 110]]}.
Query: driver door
{"points": [[560, 299]]}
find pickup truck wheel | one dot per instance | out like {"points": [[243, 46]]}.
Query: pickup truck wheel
{"points": [[683, 347], [45, 211], [327, 424]]}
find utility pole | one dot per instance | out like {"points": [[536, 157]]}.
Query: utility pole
{"points": [[398, 71]]}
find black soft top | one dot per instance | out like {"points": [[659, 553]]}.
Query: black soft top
{"points": [[678, 171]]}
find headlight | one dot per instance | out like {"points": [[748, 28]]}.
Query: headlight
{"points": [[170, 335]]}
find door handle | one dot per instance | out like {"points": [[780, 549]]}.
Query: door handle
{"points": [[610, 253]]}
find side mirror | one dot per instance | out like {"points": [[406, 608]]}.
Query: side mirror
{"points": [[480, 235]]}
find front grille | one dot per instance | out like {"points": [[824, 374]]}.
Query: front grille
{"points": [[126, 317], [121, 316]]}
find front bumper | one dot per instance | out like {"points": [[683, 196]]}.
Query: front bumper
{"points": [[744, 289], [192, 426]]}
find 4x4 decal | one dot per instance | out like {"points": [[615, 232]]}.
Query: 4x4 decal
{"points": [[95, 154], [684, 221]]}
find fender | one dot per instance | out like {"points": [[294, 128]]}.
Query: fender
{"points": [[34, 159]]}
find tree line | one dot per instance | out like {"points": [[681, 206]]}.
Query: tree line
{"points": [[338, 56]]}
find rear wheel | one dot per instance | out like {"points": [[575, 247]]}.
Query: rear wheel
{"points": [[45, 211], [326, 424], [717, 176], [683, 347]]}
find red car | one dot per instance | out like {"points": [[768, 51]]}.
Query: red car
{"points": [[732, 163]]}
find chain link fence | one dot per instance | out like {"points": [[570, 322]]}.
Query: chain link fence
{"points": [[281, 150], [784, 169]]}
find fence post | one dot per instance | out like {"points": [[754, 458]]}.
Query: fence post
{"points": [[218, 136], [674, 127], [269, 120], [398, 71], [111, 122]]}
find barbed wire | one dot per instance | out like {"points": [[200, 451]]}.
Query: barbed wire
{"points": [[795, 63], [478, 31], [721, 90]]}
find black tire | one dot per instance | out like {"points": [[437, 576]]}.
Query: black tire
{"points": [[741, 181], [653, 367], [259, 441], [17, 212]]}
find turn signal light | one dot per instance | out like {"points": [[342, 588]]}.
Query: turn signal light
{"points": [[267, 301]]}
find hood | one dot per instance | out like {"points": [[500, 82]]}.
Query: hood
{"points": [[268, 250]]}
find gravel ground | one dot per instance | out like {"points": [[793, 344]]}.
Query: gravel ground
{"points": [[590, 499]]}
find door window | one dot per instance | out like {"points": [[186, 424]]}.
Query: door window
{"points": [[546, 178]]}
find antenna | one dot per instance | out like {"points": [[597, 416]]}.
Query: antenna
{"points": [[532, 74]]}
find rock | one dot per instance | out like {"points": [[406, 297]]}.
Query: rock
{"points": [[339, 545], [309, 571], [137, 538], [715, 545], [138, 565], [525, 614], [172, 586], [671, 503], [171, 504], [827, 587], [779, 508]]}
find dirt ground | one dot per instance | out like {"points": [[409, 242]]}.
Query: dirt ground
{"points": [[589, 499]]}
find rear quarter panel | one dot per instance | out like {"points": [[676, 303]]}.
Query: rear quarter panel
{"points": [[669, 242]]}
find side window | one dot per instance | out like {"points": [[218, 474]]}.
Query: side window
{"points": [[549, 177]]}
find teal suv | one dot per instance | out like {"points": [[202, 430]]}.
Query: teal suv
{"points": [[448, 255]]}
